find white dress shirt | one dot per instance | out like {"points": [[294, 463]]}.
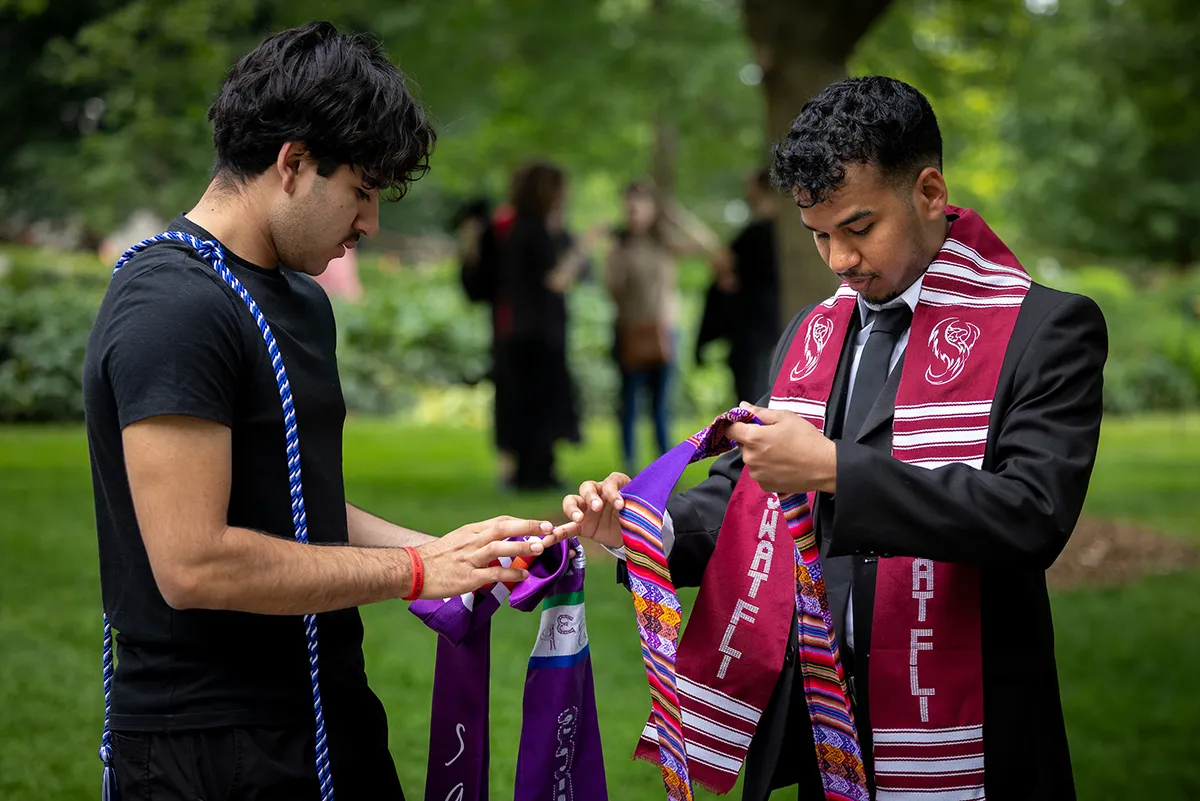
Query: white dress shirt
{"points": [[909, 297]]}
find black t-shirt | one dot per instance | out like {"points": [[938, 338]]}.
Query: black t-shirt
{"points": [[172, 338]]}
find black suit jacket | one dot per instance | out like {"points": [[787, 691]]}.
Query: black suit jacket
{"points": [[1011, 518]]}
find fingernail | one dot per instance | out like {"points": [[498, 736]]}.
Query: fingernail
{"points": [[546, 526], [620, 504], [577, 516], [524, 574], [596, 504]]}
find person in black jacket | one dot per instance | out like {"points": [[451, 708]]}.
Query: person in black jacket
{"points": [[863, 160]]}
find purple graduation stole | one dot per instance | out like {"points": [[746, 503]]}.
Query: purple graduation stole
{"points": [[559, 758]]}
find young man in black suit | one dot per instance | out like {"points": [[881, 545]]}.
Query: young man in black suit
{"points": [[863, 162]]}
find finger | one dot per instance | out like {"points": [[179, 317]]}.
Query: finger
{"points": [[741, 432], [510, 548], [491, 521], [771, 416], [573, 507], [515, 528], [566, 531], [611, 492], [590, 491], [494, 575]]}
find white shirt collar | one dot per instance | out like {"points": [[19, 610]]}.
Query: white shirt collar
{"points": [[909, 296]]}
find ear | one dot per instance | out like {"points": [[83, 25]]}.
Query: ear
{"points": [[930, 195], [290, 161]]}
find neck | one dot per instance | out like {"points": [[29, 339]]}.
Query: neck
{"points": [[940, 231], [235, 219]]}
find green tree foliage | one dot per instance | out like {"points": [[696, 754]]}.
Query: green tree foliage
{"points": [[1068, 125], [1105, 120]]}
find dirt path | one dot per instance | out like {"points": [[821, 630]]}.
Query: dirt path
{"points": [[1103, 552]]}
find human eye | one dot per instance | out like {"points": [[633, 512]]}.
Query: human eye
{"points": [[861, 231]]}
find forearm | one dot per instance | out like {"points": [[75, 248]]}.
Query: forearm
{"points": [[368, 531], [248, 571], [560, 278], [953, 514]]}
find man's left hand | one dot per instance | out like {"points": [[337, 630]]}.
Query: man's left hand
{"points": [[786, 454]]}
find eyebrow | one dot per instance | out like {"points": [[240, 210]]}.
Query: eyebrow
{"points": [[853, 218]]}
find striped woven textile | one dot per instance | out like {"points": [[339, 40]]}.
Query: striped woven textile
{"points": [[839, 757], [696, 729]]}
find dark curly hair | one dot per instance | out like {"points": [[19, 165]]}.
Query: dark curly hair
{"points": [[337, 93], [871, 120]]}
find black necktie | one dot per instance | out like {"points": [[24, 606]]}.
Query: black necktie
{"points": [[873, 366]]}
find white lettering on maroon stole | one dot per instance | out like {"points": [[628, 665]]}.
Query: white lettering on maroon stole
{"points": [[820, 328], [760, 569], [921, 639], [739, 614]]}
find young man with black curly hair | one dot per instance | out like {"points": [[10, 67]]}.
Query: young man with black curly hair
{"points": [[930, 433], [205, 575]]}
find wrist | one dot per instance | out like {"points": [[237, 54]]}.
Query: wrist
{"points": [[417, 573], [828, 482]]}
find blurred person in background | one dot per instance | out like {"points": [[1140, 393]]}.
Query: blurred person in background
{"points": [[539, 263], [748, 273], [481, 233], [642, 278]]}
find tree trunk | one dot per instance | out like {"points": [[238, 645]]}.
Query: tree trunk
{"points": [[666, 145], [802, 48], [663, 160]]}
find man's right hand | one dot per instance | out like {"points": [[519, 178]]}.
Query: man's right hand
{"points": [[596, 509], [460, 561]]}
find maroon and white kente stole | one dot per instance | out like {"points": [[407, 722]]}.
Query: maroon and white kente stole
{"points": [[926, 683]]}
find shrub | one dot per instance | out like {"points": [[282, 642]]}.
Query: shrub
{"points": [[415, 344]]}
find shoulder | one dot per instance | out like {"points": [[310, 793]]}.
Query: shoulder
{"points": [[173, 274], [1045, 306], [794, 325], [167, 291]]}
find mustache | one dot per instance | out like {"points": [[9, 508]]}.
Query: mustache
{"points": [[856, 275]]}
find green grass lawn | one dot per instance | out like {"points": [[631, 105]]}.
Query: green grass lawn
{"points": [[1128, 656]]}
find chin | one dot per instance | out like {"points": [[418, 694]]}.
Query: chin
{"points": [[883, 297]]}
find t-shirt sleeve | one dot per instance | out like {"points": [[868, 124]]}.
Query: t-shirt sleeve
{"points": [[174, 346]]}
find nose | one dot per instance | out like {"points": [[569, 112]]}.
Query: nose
{"points": [[367, 222], [843, 256]]}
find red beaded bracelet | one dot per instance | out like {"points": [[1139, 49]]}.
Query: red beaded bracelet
{"points": [[418, 572]]}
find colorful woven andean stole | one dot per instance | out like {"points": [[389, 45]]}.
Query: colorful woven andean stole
{"points": [[711, 743]]}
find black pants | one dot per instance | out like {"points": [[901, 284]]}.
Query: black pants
{"points": [[251, 764]]}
